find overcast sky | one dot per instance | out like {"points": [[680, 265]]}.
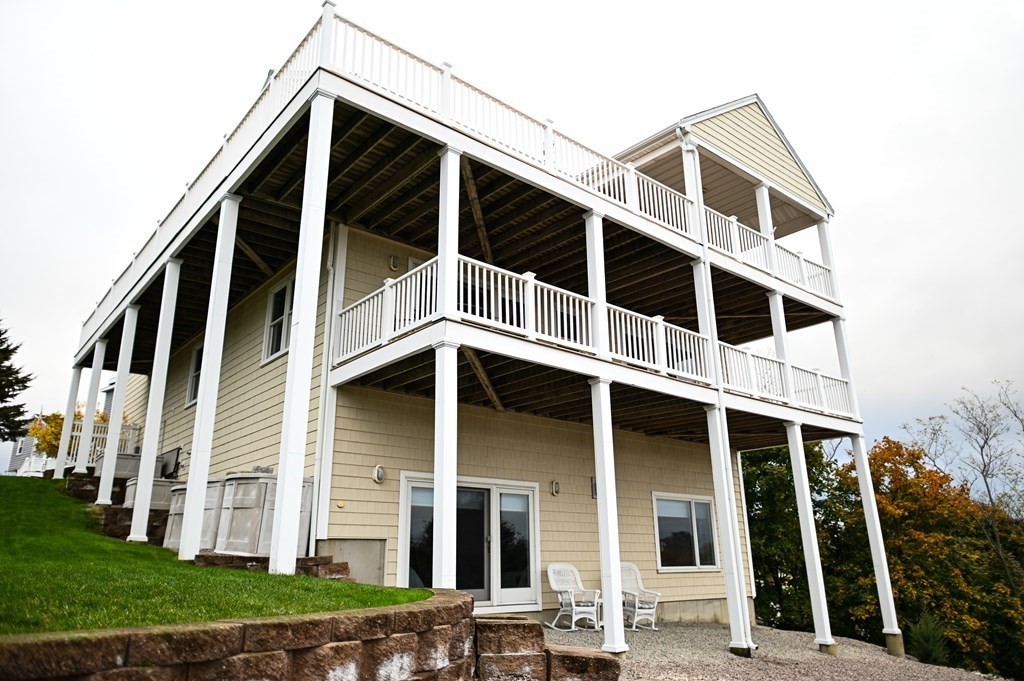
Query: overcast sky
{"points": [[908, 114]]}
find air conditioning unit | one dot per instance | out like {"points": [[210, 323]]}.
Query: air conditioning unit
{"points": [[247, 514], [161, 496], [211, 515]]}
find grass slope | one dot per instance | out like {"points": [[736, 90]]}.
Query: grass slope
{"points": [[57, 572]]}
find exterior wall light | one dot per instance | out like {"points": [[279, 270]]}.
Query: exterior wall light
{"points": [[378, 474]]}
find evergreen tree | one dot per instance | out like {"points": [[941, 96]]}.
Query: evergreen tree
{"points": [[13, 380]]}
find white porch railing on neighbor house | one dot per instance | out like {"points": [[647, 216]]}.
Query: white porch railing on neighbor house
{"points": [[126, 444], [796, 269], [734, 238]]}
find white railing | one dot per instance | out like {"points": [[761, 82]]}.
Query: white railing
{"points": [[126, 444], [752, 373], [655, 344], [664, 204], [686, 353], [489, 117], [634, 337], [400, 305], [820, 391], [369, 58], [564, 317], [818, 278], [413, 297], [753, 248], [719, 230], [359, 325], [494, 295], [577, 162]]}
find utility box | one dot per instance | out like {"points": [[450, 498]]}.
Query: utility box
{"points": [[160, 499], [127, 465], [247, 515], [211, 515]]}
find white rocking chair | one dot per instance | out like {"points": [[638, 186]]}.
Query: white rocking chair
{"points": [[638, 603], [574, 601]]}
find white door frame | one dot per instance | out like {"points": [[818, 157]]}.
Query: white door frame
{"points": [[496, 486]]}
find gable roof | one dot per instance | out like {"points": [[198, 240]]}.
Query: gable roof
{"points": [[744, 130]]}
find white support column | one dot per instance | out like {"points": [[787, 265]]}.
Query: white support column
{"points": [[209, 381], [448, 233], [809, 537], [326, 33], [596, 280], [842, 349], [780, 333], [607, 516], [446, 447], [116, 415], [764, 221], [99, 351], [692, 184], [285, 539], [827, 256], [890, 627], [155, 403], [69, 423], [728, 531], [706, 324]]}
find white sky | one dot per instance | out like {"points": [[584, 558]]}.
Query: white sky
{"points": [[908, 114]]}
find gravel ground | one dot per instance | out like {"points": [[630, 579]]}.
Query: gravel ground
{"points": [[698, 652]]}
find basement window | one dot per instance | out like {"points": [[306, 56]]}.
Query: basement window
{"points": [[684, 533], [279, 320]]}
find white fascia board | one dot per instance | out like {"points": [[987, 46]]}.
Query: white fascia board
{"points": [[782, 412], [148, 263]]}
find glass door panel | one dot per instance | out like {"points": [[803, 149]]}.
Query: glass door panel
{"points": [[472, 542], [515, 554]]}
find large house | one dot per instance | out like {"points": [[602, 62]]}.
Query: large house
{"points": [[490, 347]]}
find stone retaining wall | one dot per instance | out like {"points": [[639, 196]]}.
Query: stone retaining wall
{"points": [[436, 639]]}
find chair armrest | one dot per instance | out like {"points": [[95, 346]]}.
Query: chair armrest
{"points": [[648, 592], [630, 597]]}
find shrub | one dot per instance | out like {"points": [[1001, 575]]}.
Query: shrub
{"points": [[927, 640]]}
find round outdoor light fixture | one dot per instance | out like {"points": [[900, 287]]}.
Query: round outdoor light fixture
{"points": [[555, 488], [378, 474]]}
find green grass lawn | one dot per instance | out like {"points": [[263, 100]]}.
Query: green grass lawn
{"points": [[57, 573]]}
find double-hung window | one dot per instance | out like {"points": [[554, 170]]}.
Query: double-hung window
{"points": [[684, 532], [279, 320], [195, 370]]}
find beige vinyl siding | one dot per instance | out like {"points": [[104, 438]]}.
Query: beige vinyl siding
{"points": [[250, 400], [747, 135], [396, 431], [135, 402], [366, 265]]}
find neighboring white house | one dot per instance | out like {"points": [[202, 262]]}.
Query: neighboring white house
{"points": [[491, 347]]}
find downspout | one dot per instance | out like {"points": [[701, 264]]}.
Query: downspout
{"points": [[326, 357]]}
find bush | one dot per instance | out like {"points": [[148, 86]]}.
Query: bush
{"points": [[927, 640]]}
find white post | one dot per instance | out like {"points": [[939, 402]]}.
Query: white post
{"points": [[660, 343], [764, 221], [632, 188], [842, 349], [326, 33], [116, 415], [209, 381], [693, 186], [69, 423], [448, 233], [735, 584], [444, 95], [809, 538], [89, 417], [893, 635], [706, 315], [446, 441], [549, 143], [780, 333], [827, 256], [607, 516], [596, 280], [530, 304], [284, 541], [734, 237], [155, 403]]}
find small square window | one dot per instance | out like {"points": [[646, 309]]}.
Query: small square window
{"points": [[194, 372], [684, 530], [279, 320]]}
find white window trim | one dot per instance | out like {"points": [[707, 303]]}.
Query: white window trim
{"points": [[191, 399], [693, 518], [410, 478], [288, 286]]}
